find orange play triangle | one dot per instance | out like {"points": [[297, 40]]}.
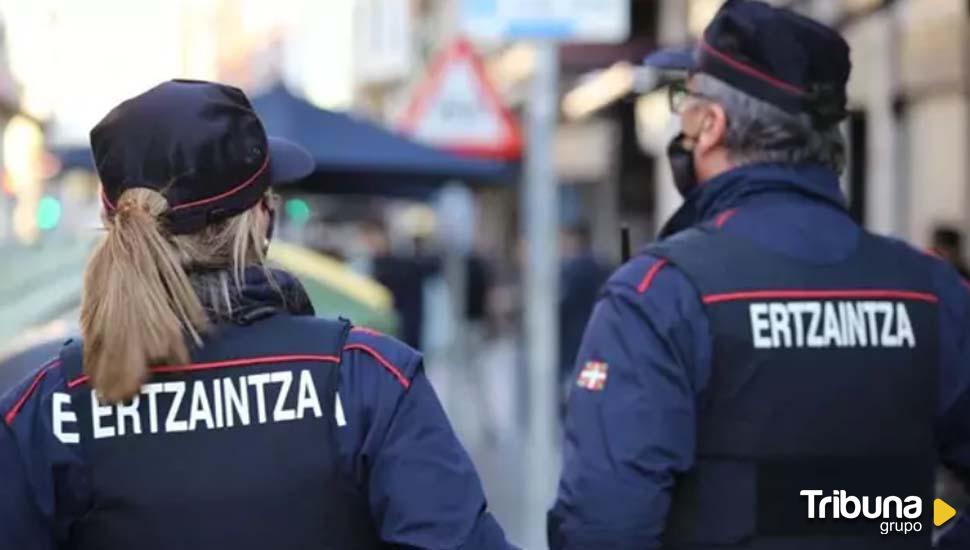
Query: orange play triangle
{"points": [[942, 512]]}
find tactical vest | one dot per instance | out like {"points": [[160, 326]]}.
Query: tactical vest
{"points": [[236, 450], [824, 378]]}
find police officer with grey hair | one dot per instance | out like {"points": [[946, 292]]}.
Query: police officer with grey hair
{"points": [[768, 375]]}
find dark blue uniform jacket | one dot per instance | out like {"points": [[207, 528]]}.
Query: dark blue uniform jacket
{"points": [[393, 441], [625, 443]]}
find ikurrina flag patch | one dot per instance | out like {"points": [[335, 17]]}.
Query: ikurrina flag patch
{"points": [[593, 376]]}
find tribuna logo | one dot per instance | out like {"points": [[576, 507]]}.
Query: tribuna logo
{"points": [[839, 505]]}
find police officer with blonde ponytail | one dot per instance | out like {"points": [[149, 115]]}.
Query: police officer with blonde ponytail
{"points": [[205, 405]]}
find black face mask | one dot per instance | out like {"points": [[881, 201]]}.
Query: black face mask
{"points": [[682, 164]]}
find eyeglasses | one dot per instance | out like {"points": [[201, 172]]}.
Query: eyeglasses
{"points": [[677, 96]]}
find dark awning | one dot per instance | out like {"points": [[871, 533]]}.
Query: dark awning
{"points": [[355, 156]]}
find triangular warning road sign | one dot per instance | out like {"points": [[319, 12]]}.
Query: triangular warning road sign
{"points": [[457, 108]]}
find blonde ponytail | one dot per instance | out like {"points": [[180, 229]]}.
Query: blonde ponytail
{"points": [[138, 304]]}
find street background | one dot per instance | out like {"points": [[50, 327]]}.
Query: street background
{"points": [[477, 161]]}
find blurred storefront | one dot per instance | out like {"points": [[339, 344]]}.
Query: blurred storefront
{"points": [[909, 129], [22, 160], [606, 180], [396, 43], [911, 92]]}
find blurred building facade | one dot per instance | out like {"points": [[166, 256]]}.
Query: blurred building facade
{"points": [[909, 163], [21, 155], [909, 131], [66, 69], [910, 118], [397, 45]]}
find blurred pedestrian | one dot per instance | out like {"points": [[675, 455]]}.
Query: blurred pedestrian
{"points": [[767, 346], [207, 407], [948, 243], [404, 278], [581, 276]]}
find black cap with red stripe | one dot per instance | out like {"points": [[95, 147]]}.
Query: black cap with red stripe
{"points": [[200, 144], [773, 54]]}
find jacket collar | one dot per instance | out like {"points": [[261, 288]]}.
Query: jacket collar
{"points": [[748, 183], [259, 296]]}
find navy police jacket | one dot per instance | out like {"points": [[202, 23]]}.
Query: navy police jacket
{"points": [[287, 431], [639, 429]]}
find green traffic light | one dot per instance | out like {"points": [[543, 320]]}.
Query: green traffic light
{"points": [[48, 213], [298, 210]]}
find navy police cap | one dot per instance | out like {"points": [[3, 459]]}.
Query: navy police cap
{"points": [[773, 54], [200, 144]]}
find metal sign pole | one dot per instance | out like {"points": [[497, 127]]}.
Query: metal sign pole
{"points": [[540, 215]]}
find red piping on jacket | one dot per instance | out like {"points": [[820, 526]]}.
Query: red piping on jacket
{"points": [[228, 363], [12, 413], [384, 362], [723, 217], [819, 294], [271, 359], [651, 273]]}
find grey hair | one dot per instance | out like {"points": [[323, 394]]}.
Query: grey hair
{"points": [[758, 131]]}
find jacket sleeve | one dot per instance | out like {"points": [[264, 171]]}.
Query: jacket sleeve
{"points": [[953, 424], [38, 469], [22, 524], [628, 437], [422, 487]]}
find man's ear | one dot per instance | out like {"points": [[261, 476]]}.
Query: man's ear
{"points": [[713, 128]]}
